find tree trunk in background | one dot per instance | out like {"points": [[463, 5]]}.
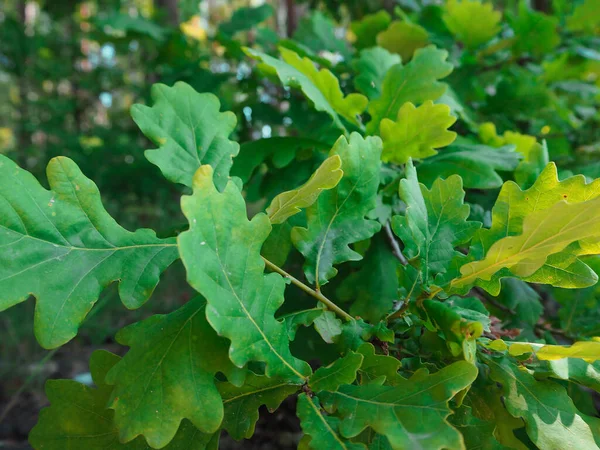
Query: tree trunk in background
{"points": [[292, 18], [170, 6], [544, 6], [24, 137]]}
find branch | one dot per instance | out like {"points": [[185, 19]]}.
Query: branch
{"points": [[316, 294], [394, 244]]}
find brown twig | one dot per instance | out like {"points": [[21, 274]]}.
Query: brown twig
{"points": [[394, 244]]}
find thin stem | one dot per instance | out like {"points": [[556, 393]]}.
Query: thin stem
{"points": [[394, 244], [316, 294], [404, 306]]}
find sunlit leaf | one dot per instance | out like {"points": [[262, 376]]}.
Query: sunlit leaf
{"points": [[189, 130], [221, 253], [417, 132]]}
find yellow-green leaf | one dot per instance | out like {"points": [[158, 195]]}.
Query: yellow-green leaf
{"points": [[414, 82], [544, 233], [589, 351], [403, 38], [471, 21], [513, 206], [417, 132], [288, 203]]}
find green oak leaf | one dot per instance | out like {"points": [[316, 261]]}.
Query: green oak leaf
{"points": [[221, 253], [168, 375], [535, 32], [241, 403], [371, 67], [288, 203], [329, 326], [341, 371], [337, 218], [378, 369], [62, 247], [579, 311], [368, 27], [472, 22], [550, 416], [585, 17], [320, 86], [403, 38], [78, 418], [411, 414], [486, 403], [189, 130], [372, 289], [434, 223], [477, 165], [320, 427], [417, 132], [244, 19], [316, 32], [414, 82], [477, 433]]}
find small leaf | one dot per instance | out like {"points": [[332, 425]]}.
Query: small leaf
{"points": [[305, 318], [242, 403], [477, 165], [341, 371], [477, 433], [372, 289], [368, 27], [286, 204], [378, 368], [62, 247], [535, 32], [221, 253], [434, 223], [372, 67], [322, 429], [320, 86], [471, 21], [244, 19], [328, 326], [414, 82], [585, 17], [342, 209], [189, 130], [78, 418], [550, 416], [417, 132], [316, 31], [170, 370], [411, 414], [403, 38]]}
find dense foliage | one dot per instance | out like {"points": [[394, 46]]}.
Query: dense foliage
{"points": [[422, 275]]}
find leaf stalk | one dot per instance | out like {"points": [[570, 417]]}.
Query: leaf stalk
{"points": [[310, 291]]}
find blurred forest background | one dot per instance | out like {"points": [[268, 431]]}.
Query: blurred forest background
{"points": [[71, 69]]}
